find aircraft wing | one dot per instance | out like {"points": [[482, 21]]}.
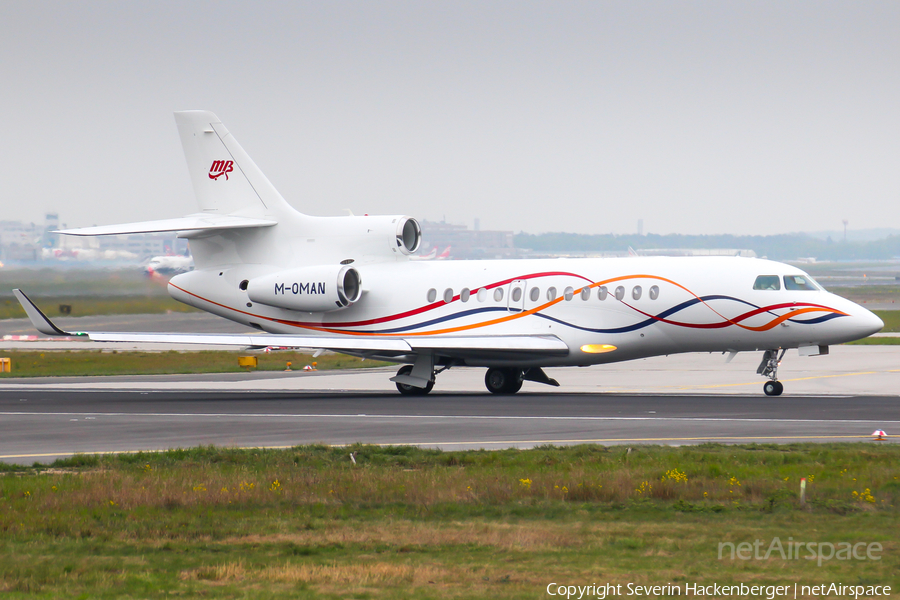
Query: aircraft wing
{"points": [[499, 346]]}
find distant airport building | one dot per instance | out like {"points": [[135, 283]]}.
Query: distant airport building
{"points": [[697, 252], [467, 243], [30, 243]]}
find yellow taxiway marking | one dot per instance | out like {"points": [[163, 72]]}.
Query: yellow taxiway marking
{"points": [[782, 380], [490, 443]]}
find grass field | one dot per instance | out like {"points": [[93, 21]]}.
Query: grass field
{"points": [[84, 306], [891, 320], [111, 362], [869, 294], [87, 292], [413, 523]]}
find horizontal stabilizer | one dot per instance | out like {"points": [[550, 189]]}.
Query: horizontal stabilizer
{"points": [[195, 222]]}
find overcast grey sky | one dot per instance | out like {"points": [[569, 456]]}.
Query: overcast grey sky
{"points": [[699, 117]]}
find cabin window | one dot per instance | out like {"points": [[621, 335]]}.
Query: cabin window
{"points": [[654, 292], [767, 282], [551, 293], [448, 295], [432, 295], [636, 292], [482, 295], [570, 291], [535, 294], [620, 293], [516, 294], [799, 282], [602, 292], [585, 293], [464, 294], [498, 294]]}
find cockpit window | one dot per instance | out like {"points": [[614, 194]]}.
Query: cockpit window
{"points": [[799, 282], [768, 282]]}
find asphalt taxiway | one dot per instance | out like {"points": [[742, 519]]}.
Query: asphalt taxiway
{"points": [[684, 399]]}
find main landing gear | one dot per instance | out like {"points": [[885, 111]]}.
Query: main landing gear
{"points": [[503, 381], [769, 368], [414, 380], [411, 390]]}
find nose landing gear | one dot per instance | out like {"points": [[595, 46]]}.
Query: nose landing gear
{"points": [[769, 368]]}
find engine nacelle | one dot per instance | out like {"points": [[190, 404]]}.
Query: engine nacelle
{"points": [[309, 289], [409, 235]]}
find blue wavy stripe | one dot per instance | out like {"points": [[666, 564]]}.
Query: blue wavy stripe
{"points": [[679, 307], [634, 327], [459, 315], [821, 319], [650, 320]]}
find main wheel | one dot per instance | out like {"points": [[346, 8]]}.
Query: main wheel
{"points": [[773, 388], [411, 390], [503, 381]]}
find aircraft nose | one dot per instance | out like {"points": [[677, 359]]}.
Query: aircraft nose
{"points": [[868, 323]]}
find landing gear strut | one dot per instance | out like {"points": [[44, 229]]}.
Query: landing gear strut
{"points": [[769, 368]]}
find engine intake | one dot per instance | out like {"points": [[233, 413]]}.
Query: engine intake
{"points": [[309, 289]]}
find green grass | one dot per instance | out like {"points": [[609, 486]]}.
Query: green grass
{"points": [[891, 320], [413, 523], [87, 292], [869, 293], [876, 341], [83, 306], [111, 362]]}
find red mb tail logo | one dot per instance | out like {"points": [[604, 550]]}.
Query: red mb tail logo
{"points": [[221, 167]]}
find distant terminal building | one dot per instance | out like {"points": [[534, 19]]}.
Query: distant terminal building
{"points": [[467, 243], [697, 252], [31, 243], [20, 242]]}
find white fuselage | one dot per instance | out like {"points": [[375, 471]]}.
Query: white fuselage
{"points": [[665, 305]]}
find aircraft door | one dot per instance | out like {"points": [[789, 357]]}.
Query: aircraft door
{"points": [[516, 296]]}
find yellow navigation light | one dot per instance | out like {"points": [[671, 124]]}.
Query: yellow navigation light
{"points": [[597, 348]]}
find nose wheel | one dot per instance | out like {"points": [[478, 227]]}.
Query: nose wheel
{"points": [[773, 388], [769, 368]]}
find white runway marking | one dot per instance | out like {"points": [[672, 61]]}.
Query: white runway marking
{"points": [[459, 417]]}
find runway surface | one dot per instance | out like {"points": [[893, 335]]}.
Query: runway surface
{"points": [[686, 399]]}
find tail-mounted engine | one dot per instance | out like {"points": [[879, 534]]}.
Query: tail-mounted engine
{"points": [[409, 235], [309, 289]]}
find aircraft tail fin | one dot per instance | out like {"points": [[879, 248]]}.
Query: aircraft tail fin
{"points": [[226, 180]]}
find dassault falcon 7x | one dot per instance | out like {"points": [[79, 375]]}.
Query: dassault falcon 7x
{"points": [[347, 284]]}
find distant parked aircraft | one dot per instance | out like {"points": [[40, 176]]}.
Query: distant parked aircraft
{"points": [[169, 265]]}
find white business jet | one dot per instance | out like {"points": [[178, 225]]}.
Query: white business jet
{"points": [[347, 284]]}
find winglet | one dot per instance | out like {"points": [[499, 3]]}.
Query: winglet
{"points": [[38, 318]]}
